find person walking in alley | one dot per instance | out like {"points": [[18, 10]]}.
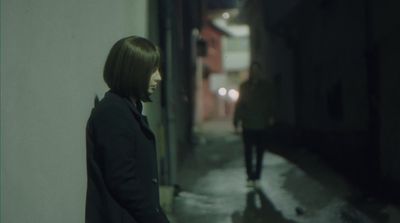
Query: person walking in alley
{"points": [[254, 113], [122, 178]]}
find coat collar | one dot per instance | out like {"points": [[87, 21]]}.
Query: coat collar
{"points": [[137, 112]]}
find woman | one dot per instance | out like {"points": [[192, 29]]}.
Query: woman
{"points": [[121, 154]]}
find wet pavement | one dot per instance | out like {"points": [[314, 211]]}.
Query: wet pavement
{"points": [[213, 187]]}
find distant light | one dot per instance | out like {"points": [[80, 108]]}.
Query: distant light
{"points": [[233, 94], [226, 15], [222, 91]]}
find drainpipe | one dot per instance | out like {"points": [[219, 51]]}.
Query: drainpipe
{"points": [[166, 24]]}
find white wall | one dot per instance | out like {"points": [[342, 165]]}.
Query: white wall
{"points": [[52, 55], [236, 53]]}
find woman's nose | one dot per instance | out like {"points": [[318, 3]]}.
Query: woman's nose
{"points": [[158, 77]]}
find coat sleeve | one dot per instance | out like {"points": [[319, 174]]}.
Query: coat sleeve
{"points": [[116, 140], [237, 114]]}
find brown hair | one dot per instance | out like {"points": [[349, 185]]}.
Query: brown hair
{"points": [[129, 66]]}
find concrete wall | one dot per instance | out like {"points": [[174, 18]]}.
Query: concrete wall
{"points": [[386, 33], [52, 55], [345, 57], [333, 67], [390, 107]]}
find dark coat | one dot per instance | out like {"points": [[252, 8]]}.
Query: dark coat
{"points": [[255, 106], [122, 173]]}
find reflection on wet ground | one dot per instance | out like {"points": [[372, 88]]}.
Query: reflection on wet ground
{"points": [[258, 209], [213, 187]]}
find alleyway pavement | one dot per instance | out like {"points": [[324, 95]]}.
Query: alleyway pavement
{"points": [[213, 187]]}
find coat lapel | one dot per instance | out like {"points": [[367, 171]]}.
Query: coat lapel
{"points": [[140, 118]]}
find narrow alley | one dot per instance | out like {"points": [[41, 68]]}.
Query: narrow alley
{"points": [[213, 190], [181, 82]]}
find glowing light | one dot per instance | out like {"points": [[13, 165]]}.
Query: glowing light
{"points": [[222, 91], [226, 15], [233, 94]]}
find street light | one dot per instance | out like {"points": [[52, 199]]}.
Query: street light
{"points": [[233, 94], [222, 91]]}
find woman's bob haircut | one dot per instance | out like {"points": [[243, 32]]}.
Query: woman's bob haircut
{"points": [[129, 66]]}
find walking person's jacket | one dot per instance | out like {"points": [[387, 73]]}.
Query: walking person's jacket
{"points": [[255, 107]]}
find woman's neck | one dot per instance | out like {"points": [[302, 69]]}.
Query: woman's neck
{"points": [[133, 100]]}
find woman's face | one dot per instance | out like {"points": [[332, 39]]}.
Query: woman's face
{"points": [[155, 78]]}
